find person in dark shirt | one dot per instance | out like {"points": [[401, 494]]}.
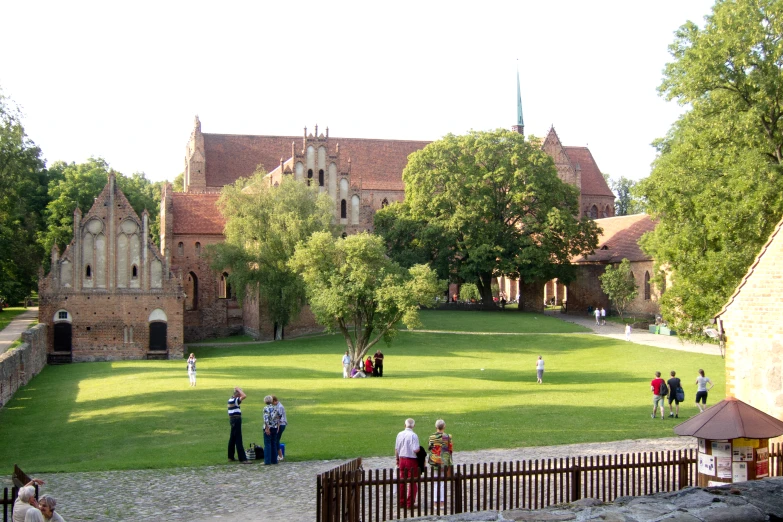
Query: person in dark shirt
{"points": [[674, 384]]}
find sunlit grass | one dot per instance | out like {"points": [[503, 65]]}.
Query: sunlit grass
{"points": [[143, 414]]}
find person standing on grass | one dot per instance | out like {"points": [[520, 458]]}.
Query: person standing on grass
{"points": [[658, 397], [702, 389], [280, 427], [192, 369], [346, 364], [378, 369], [235, 420], [271, 424], [405, 449], [628, 331], [540, 370], [674, 385], [441, 450]]}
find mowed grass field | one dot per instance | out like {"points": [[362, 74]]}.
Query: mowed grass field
{"points": [[144, 414]]}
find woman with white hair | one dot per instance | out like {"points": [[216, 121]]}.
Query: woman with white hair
{"points": [[440, 451], [25, 501], [46, 504]]}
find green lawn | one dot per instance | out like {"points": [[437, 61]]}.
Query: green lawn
{"points": [[8, 315], [143, 414], [506, 321]]}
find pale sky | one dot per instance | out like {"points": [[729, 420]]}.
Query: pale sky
{"points": [[124, 80]]}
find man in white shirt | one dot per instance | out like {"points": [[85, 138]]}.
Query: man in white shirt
{"points": [[405, 448], [346, 364]]}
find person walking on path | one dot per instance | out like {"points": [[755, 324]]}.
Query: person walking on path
{"points": [[702, 389], [280, 427], [674, 385], [346, 364], [658, 396], [628, 332], [597, 316], [440, 452], [540, 370], [405, 449], [192, 369], [271, 424], [235, 420], [603, 316]]}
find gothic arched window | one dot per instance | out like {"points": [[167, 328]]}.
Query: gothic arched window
{"points": [[647, 286], [343, 209]]}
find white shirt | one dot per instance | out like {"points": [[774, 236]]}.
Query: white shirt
{"points": [[346, 359], [540, 364], [597, 313], [701, 383], [603, 312], [407, 444], [281, 409]]}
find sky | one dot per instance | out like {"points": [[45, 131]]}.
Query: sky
{"points": [[124, 80]]}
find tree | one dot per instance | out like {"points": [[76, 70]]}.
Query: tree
{"points": [[354, 288], [468, 292], [178, 185], [618, 283], [716, 187], [625, 203], [77, 185], [263, 226], [23, 181], [497, 200]]}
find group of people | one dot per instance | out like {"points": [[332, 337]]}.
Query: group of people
{"points": [[600, 316], [672, 391], [365, 368], [275, 422], [28, 509], [411, 456]]}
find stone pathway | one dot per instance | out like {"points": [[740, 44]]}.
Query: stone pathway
{"points": [[256, 493], [14, 330]]}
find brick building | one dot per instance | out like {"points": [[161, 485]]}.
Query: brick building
{"points": [[752, 326], [111, 295], [361, 176]]}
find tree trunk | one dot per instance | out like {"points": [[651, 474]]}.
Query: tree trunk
{"points": [[485, 289]]}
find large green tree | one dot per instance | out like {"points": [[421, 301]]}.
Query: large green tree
{"points": [[491, 204], [626, 202], [23, 196], [618, 284], [263, 226], [354, 288], [716, 186]]}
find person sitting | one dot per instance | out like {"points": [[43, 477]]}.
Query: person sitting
{"points": [[46, 504], [368, 366], [357, 374], [25, 501]]}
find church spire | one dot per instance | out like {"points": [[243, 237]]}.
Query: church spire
{"points": [[520, 126]]}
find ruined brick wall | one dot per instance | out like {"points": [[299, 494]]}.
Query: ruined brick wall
{"points": [[585, 290], [20, 365], [754, 333]]}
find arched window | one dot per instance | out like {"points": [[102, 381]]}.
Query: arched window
{"points": [[198, 248], [343, 209], [344, 235], [309, 176], [134, 272], [647, 286], [180, 249], [224, 289], [384, 203], [594, 212], [321, 178], [191, 292], [88, 272], [608, 211]]}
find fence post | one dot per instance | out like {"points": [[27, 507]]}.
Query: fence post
{"points": [[682, 466], [576, 483], [457, 492], [318, 498]]}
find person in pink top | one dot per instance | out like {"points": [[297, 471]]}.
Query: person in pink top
{"points": [[658, 396]]}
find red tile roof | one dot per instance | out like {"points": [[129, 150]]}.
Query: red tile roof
{"points": [[620, 239], [197, 213], [593, 182], [379, 163]]}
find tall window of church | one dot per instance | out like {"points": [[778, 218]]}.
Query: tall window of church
{"points": [[647, 286], [608, 211], [228, 285], [309, 176], [343, 209], [198, 248], [321, 178], [355, 209], [191, 292], [594, 212], [222, 286], [384, 203], [134, 272], [180, 249], [88, 272]]}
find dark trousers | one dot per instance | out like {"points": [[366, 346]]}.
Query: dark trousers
{"points": [[378, 370], [270, 446], [280, 430], [235, 439]]}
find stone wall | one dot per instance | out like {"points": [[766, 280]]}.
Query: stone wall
{"points": [[20, 365], [585, 290]]}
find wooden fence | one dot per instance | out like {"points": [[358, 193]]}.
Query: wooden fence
{"points": [[351, 494]]}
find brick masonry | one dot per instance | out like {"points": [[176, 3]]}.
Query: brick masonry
{"points": [[20, 365]]}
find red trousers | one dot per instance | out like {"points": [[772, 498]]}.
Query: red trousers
{"points": [[409, 468]]}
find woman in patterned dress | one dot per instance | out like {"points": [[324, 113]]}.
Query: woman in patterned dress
{"points": [[440, 453]]}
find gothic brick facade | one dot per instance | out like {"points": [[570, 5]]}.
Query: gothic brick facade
{"points": [[753, 330], [111, 295], [361, 176]]}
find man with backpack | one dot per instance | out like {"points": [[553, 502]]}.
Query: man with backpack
{"points": [[676, 395], [659, 391]]}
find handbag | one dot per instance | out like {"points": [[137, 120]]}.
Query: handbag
{"points": [[680, 395]]}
